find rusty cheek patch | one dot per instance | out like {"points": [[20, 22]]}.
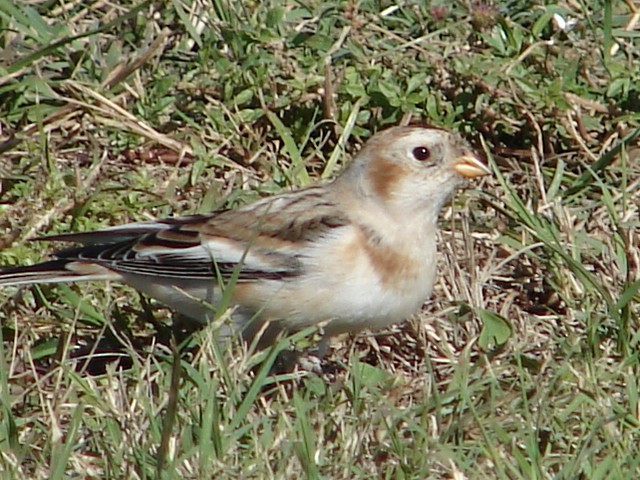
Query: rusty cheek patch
{"points": [[385, 176]]}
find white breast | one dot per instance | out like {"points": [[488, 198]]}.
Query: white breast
{"points": [[354, 288]]}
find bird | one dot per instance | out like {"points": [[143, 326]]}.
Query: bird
{"points": [[358, 252]]}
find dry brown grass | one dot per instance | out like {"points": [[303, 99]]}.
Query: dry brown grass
{"points": [[198, 106]]}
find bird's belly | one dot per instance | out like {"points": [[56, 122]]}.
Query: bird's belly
{"points": [[354, 283], [350, 296]]}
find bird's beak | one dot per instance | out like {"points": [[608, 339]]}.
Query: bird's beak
{"points": [[470, 167]]}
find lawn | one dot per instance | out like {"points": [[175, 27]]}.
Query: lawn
{"points": [[523, 365]]}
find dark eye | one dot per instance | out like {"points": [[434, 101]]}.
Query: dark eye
{"points": [[421, 153]]}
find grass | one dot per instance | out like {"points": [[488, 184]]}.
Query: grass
{"points": [[524, 364]]}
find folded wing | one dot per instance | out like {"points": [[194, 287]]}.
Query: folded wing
{"points": [[262, 241]]}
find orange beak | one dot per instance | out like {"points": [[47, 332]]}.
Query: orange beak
{"points": [[470, 167]]}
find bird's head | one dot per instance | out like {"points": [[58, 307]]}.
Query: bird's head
{"points": [[413, 169]]}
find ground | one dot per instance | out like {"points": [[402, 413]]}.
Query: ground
{"points": [[523, 365]]}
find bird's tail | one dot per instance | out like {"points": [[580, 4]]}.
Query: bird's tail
{"points": [[54, 271]]}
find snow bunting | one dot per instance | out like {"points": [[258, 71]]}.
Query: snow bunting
{"points": [[356, 253]]}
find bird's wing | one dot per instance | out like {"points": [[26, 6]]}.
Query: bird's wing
{"points": [[120, 233], [264, 240]]}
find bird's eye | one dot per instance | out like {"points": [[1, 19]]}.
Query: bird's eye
{"points": [[421, 153]]}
